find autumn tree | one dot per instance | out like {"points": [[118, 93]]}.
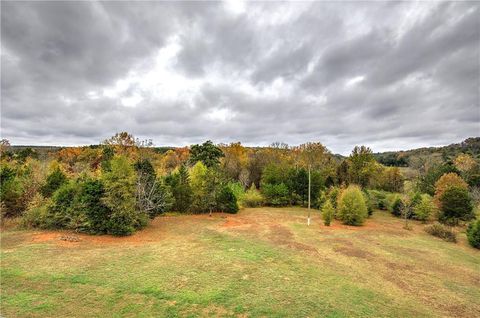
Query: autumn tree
{"points": [[361, 164], [123, 143], [392, 179], [469, 169], [4, 146], [234, 161], [446, 181]]}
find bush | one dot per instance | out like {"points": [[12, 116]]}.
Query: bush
{"points": [[238, 190], [321, 199], [352, 209], [425, 209], [252, 197], [327, 212], [378, 199], [63, 207], [226, 200], [441, 231], [369, 202], [332, 195], [398, 207], [473, 233], [90, 199], [276, 194], [456, 204], [54, 181], [36, 215]]}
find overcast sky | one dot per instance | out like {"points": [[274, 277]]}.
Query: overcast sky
{"points": [[395, 75]]}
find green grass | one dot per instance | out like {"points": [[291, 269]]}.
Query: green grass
{"points": [[262, 262]]}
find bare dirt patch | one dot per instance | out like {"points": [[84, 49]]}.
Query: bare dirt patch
{"points": [[280, 235], [353, 252]]}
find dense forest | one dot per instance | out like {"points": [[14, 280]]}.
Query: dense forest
{"points": [[116, 187]]}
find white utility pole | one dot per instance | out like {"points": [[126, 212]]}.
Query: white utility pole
{"points": [[309, 186]]}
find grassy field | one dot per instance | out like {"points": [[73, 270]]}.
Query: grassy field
{"points": [[262, 262]]}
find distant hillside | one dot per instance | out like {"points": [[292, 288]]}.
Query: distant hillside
{"points": [[447, 153]]}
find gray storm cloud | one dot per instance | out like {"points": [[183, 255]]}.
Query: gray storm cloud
{"points": [[388, 75]]}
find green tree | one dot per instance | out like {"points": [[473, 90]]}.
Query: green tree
{"points": [[214, 183], [343, 172], [54, 181], [352, 209], [473, 234], [226, 200], [427, 180], [11, 189], [455, 204], [120, 198], [198, 179], [276, 194], [425, 209], [179, 183], [90, 194], [207, 153]]}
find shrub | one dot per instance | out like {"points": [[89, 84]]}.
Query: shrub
{"points": [[62, 210], [90, 199], [369, 202], [398, 207], [54, 181], [252, 197], [237, 189], [321, 199], [36, 215], [415, 199], [276, 194], [456, 204], [226, 200], [327, 212], [390, 199], [425, 209], [352, 209], [332, 195], [378, 199], [441, 231], [473, 233]]}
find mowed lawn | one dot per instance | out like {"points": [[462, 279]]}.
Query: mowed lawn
{"points": [[262, 262]]}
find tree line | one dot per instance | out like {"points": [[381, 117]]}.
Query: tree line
{"points": [[118, 186]]}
